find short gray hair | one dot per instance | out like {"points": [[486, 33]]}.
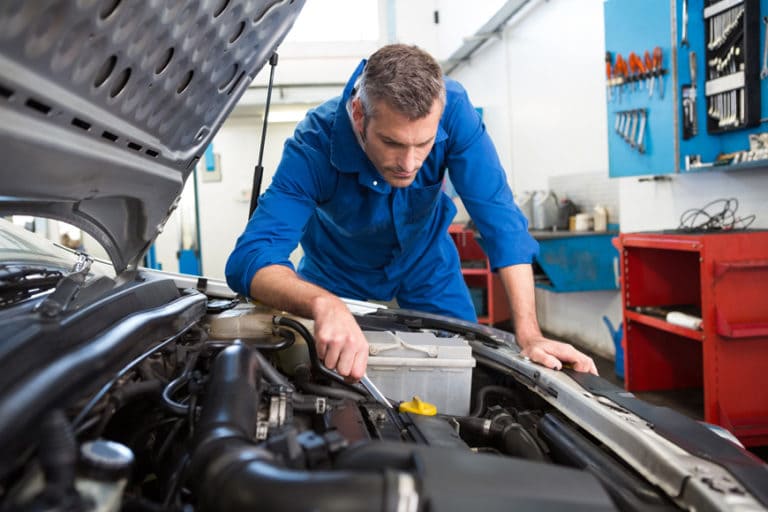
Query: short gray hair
{"points": [[406, 78]]}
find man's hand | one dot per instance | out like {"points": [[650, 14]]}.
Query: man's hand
{"points": [[553, 354], [340, 342]]}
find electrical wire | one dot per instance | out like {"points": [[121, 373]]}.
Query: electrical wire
{"points": [[717, 215]]}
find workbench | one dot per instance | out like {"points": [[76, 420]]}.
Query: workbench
{"points": [[576, 261], [567, 262]]}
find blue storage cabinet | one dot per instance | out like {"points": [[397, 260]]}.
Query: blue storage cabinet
{"points": [[639, 25]]}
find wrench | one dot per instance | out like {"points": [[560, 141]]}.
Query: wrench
{"points": [[764, 72], [374, 391], [640, 145]]}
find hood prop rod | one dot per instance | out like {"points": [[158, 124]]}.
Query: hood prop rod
{"points": [[258, 171]]}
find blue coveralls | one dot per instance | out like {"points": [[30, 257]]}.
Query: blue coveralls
{"points": [[364, 239]]}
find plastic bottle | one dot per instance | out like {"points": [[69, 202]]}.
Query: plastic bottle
{"points": [[600, 218]]}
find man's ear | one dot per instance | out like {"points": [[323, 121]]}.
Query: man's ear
{"points": [[357, 114]]}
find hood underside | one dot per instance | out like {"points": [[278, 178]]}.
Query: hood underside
{"points": [[108, 105]]}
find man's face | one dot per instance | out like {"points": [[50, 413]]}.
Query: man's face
{"points": [[396, 145]]}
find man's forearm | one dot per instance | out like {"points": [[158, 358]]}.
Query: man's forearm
{"points": [[518, 283], [280, 287], [340, 342]]}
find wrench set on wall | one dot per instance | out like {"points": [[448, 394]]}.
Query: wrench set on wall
{"points": [[732, 86], [630, 125]]}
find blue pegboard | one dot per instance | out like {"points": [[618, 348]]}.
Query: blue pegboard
{"points": [[636, 26], [639, 25]]}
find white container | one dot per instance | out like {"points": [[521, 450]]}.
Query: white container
{"points": [[545, 210], [600, 217], [583, 222], [437, 370], [525, 203]]}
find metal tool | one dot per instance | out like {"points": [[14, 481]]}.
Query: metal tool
{"points": [[764, 72], [639, 142], [608, 73], [374, 391], [633, 131], [649, 69], [637, 69], [694, 118], [620, 73], [658, 70], [684, 40]]}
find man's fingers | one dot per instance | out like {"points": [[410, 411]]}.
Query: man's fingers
{"points": [[553, 354], [346, 360], [332, 353], [360, 363], [540, 356], [568, 353]]}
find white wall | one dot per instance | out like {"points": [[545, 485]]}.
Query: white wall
{"points": [[543, 92], [224, 204], [655, 205]]}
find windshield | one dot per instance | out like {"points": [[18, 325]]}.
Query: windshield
{"points": [[31, 265]]}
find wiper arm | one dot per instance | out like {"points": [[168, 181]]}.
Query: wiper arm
{"points": [[67, 289], [20, 282]]}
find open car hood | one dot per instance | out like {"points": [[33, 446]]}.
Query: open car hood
{"points": [[107, 106]]}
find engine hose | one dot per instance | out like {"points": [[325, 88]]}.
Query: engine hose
{"points": [[505, 434], [303, 381], [229, 472], [270, 372], [172, 405], [126, 395], [482, 396], [317, 365]]}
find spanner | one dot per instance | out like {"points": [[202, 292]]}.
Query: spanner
{"points": [[374, 391]]}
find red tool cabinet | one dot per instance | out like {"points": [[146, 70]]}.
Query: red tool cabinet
{"points": [[478, 275], [724, 277]]}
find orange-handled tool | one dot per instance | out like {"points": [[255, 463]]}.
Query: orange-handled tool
{"points": [[620, 70], [608, 73], [648, 61], [658, 69]]}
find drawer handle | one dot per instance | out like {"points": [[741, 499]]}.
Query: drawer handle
{"points": [[741, 329], [721, 267]]}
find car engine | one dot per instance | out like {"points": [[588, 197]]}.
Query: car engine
{"points": [[181, 405]]}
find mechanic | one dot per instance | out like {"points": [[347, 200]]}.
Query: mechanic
{"points": [[360, 186]]}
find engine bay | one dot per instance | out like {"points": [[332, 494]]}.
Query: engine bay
{"points": [[231, 410]]}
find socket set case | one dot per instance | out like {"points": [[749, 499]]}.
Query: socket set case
{"points": [[732, 58]]}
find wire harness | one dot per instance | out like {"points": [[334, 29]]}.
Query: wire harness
{"points": [[717, 215]]}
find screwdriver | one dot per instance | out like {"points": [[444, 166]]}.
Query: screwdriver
{"points": [[636, 67], [620, 70], [608, 74], [648, 61], [657, 69]]}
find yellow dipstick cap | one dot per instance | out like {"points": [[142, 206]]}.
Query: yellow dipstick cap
{"points": [[416, 406]]}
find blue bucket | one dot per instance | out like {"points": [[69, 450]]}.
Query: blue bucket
{"points": [[617, 335]]}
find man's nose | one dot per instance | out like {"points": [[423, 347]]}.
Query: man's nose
{"points": [[408, 160]]}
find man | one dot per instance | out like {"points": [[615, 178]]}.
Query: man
{"points": [[359, 185]]}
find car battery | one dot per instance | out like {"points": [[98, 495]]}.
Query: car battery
{"points": [[437, 369]]}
